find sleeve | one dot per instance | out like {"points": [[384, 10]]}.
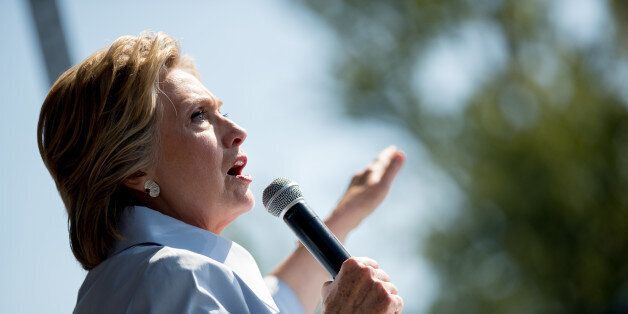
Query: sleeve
{"points": [[284, 296], [179, 282]]}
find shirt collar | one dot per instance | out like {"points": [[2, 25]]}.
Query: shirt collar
{"points": [[144, 225]]}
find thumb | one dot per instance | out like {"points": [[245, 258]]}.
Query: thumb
{"points": [[326, 288]]}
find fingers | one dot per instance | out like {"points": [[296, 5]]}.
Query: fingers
{"points": [[386, 153], [382, 159], [370, 271], [391, 170], [390, 287], [363, 287], [381, 275], [367, 261], [384, 167], [397, 304], [387, 164], [384, 301], [361, 177], [378, 273]]}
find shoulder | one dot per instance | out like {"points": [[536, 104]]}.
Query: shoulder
{"points": [[174, 262], [152, 263], [159, 280], [188, 273], [176, 278]]}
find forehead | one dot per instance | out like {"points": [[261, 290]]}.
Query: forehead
{"points": [[184, 89]]}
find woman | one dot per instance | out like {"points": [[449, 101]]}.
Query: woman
{"points": [[151, 172]]}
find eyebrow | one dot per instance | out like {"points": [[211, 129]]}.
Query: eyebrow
{"points": [[216, 100], [211, 100]]}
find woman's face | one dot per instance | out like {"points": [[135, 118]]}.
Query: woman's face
{"points": [[200, 163]]}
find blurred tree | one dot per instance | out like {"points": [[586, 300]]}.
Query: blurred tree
{"points": [[539, 147]]}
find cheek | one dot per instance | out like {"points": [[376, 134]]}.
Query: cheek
{"points": [[205, 153], [192, 158]]}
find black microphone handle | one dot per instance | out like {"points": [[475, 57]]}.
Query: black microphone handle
{"points": [[316, 237]]}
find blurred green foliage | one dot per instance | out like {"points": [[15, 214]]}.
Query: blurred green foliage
{"points": [[539, 148]]}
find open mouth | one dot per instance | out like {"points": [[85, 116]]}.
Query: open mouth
{"points": [[238, 166]]}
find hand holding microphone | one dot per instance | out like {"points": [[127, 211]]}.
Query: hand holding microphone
{"points": [[361, 287]]}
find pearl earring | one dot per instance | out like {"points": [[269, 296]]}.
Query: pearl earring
{"points": [[152, 188]]}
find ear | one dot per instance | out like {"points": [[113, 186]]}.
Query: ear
{"points": [[136, 181]]}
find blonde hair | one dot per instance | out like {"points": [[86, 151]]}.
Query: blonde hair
{"points": [[97, 127]]}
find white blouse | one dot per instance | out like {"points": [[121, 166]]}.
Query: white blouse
{"points": [[164, 265]]}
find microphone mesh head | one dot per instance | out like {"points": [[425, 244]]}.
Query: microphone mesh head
{"points": [[279, 194]]}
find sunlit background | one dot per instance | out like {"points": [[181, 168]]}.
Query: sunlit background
{"points": [[513, 115]]}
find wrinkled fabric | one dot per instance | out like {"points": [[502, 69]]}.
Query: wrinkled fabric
{"points": [[164, 265]]}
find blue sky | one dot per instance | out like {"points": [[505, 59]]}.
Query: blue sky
{"points": [[269, 61]]}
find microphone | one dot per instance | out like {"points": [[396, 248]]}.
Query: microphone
{"points": [[283, 198]]}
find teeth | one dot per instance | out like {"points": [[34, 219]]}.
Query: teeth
{"points": [[239, 163]]}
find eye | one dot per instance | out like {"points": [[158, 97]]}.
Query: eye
{"points": [[199, 116]]}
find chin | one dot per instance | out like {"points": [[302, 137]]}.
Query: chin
{"points": [[236, 211], [250, 201], [246, 203]]}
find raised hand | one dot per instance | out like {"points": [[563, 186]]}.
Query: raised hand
{"points": [[367, 189]]}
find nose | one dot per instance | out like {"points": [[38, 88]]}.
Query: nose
{"points": [[235, 136]]}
